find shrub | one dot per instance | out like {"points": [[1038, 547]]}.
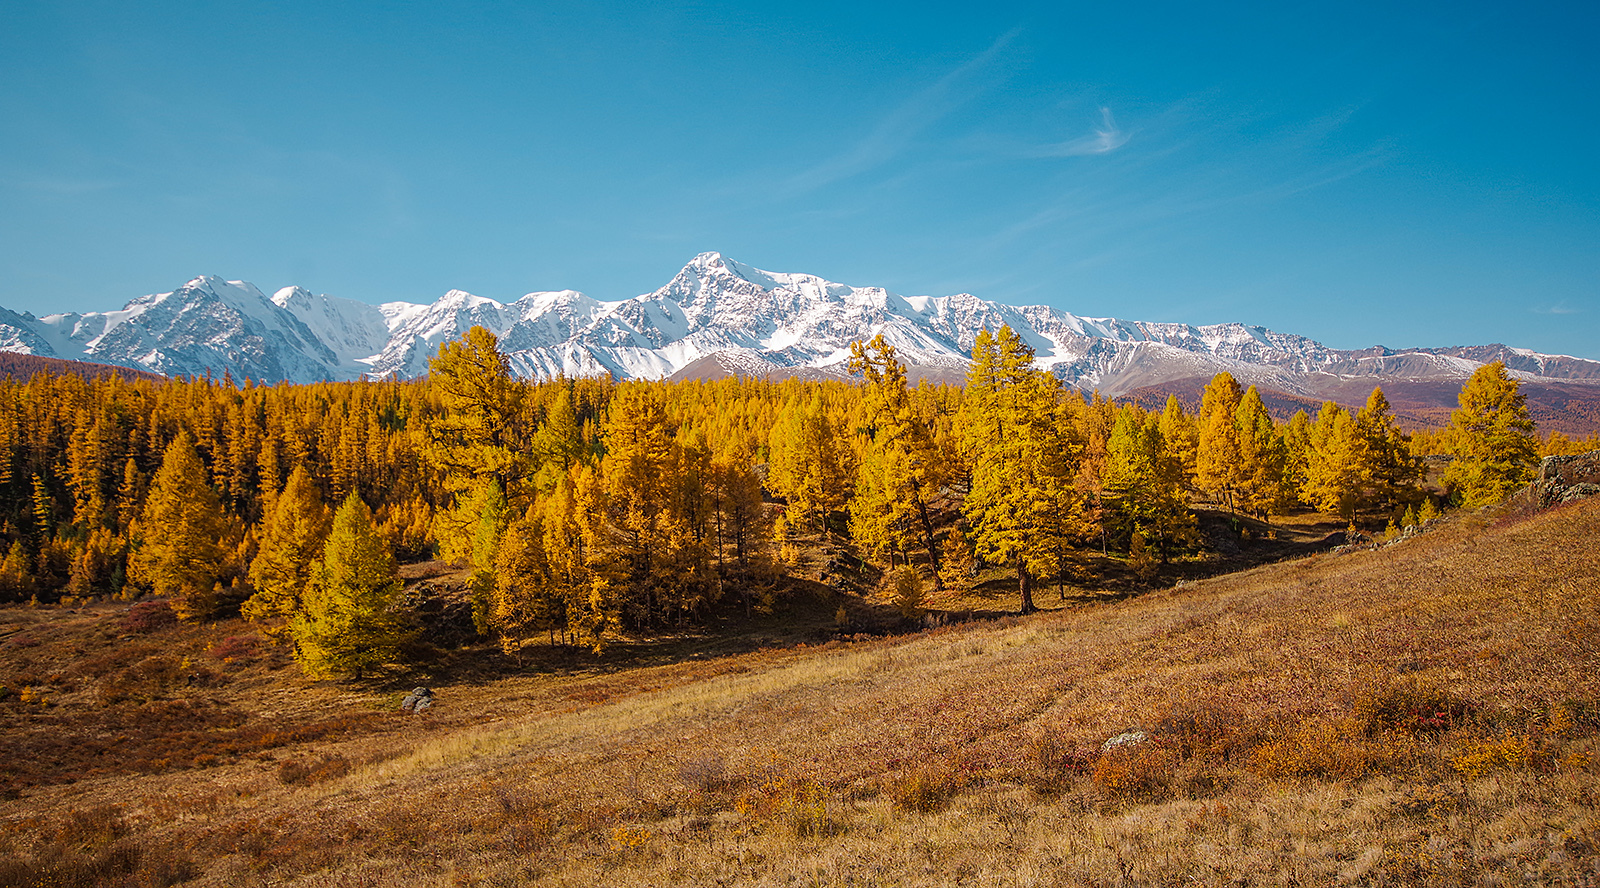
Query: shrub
{"points": [[1055, 764], [298, 772], [1314, 749], [706, 774], [807, 806], [1508, 752], [1433, 800], [1136, 771], [149, 616], [92, 827], [236, 647], [802, 804], [1210, 728], [926, 789], [1414, 707]]}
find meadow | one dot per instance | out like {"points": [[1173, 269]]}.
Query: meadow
{"points": [[1426, 713]]}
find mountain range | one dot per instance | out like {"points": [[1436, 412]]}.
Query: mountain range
{"points": [[719, 317]]}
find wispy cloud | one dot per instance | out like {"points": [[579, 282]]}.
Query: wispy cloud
{"points": [[896, 131], [1191, 164], [1106, 139], [1560, 308]]}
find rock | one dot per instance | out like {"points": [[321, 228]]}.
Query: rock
{"points": [[417, 700], [1126, 738], [1565, 479]]}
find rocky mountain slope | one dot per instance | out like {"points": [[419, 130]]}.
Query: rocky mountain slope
{"points": [[719, 317]]}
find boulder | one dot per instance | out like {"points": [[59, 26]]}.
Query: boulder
{"points": [[1564, 479], [417, 700]]}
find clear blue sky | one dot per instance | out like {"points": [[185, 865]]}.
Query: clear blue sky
{"points": [[1358, 173]]}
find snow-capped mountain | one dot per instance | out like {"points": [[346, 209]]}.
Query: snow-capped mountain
{"points": [[715, 317]]}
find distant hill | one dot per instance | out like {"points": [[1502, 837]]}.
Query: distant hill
{"points": [[1569, 408], [21, 366]]}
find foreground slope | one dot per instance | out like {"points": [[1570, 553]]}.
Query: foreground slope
{"points": [[1427, 713]]}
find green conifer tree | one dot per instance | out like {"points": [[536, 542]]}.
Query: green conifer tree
{"points": [[348, 623]]}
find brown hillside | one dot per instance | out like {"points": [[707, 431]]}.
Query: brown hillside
{"points": [[1570, 408], [1424, 714], [21, 366]]}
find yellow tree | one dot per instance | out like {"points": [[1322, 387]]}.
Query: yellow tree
{"points": [[1262, 457], [181, 535], [899, 472], [478, 439], [1219, 465], [1182, 438], [1492, 439], [647, 477], [1024, 508], [292, 537], [1335, 463], [1297, 455], [1391, 472], [735, 490], [524, 599], [807, 465], [1143, 485], [348, 622]]}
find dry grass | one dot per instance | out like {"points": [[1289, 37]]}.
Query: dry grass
{"points": [[1427, 714]]}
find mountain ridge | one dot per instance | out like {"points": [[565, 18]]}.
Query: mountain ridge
{"points": [[715, 316]]}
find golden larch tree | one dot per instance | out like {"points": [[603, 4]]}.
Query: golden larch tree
{"points": [[1491, 437], [180, 545], [292, 536]]}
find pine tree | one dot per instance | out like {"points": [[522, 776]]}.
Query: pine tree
{"points": [[1493, 439], [524, 599], [348, 623], [180, 534], [1182, 438], [904, 589], [1140, 561], [292, 538], [956, 565], [16, 573], [480, 433], [1297, 455], [650, 493], [808, 467]]}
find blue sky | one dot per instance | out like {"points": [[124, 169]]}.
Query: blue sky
{"points": [[1356, 173]]}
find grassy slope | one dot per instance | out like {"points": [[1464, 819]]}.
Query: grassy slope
{"points": [[1424, 714]]}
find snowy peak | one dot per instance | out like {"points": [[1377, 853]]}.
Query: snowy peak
{"points": [[715, 315], [351, 330]]}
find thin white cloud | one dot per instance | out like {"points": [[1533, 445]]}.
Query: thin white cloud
{"points": [[1108, 138], [895, 132], [1560, 308]]}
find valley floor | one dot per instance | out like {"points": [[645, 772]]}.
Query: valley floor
{"points": [[1423, 714]]}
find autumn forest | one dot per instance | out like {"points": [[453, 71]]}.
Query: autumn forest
{"points": [[585, 507]]}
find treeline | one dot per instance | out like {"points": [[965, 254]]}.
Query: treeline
{"points": [[584, 506]]}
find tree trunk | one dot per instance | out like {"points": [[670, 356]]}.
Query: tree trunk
{"points": [[1025, 584]]}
